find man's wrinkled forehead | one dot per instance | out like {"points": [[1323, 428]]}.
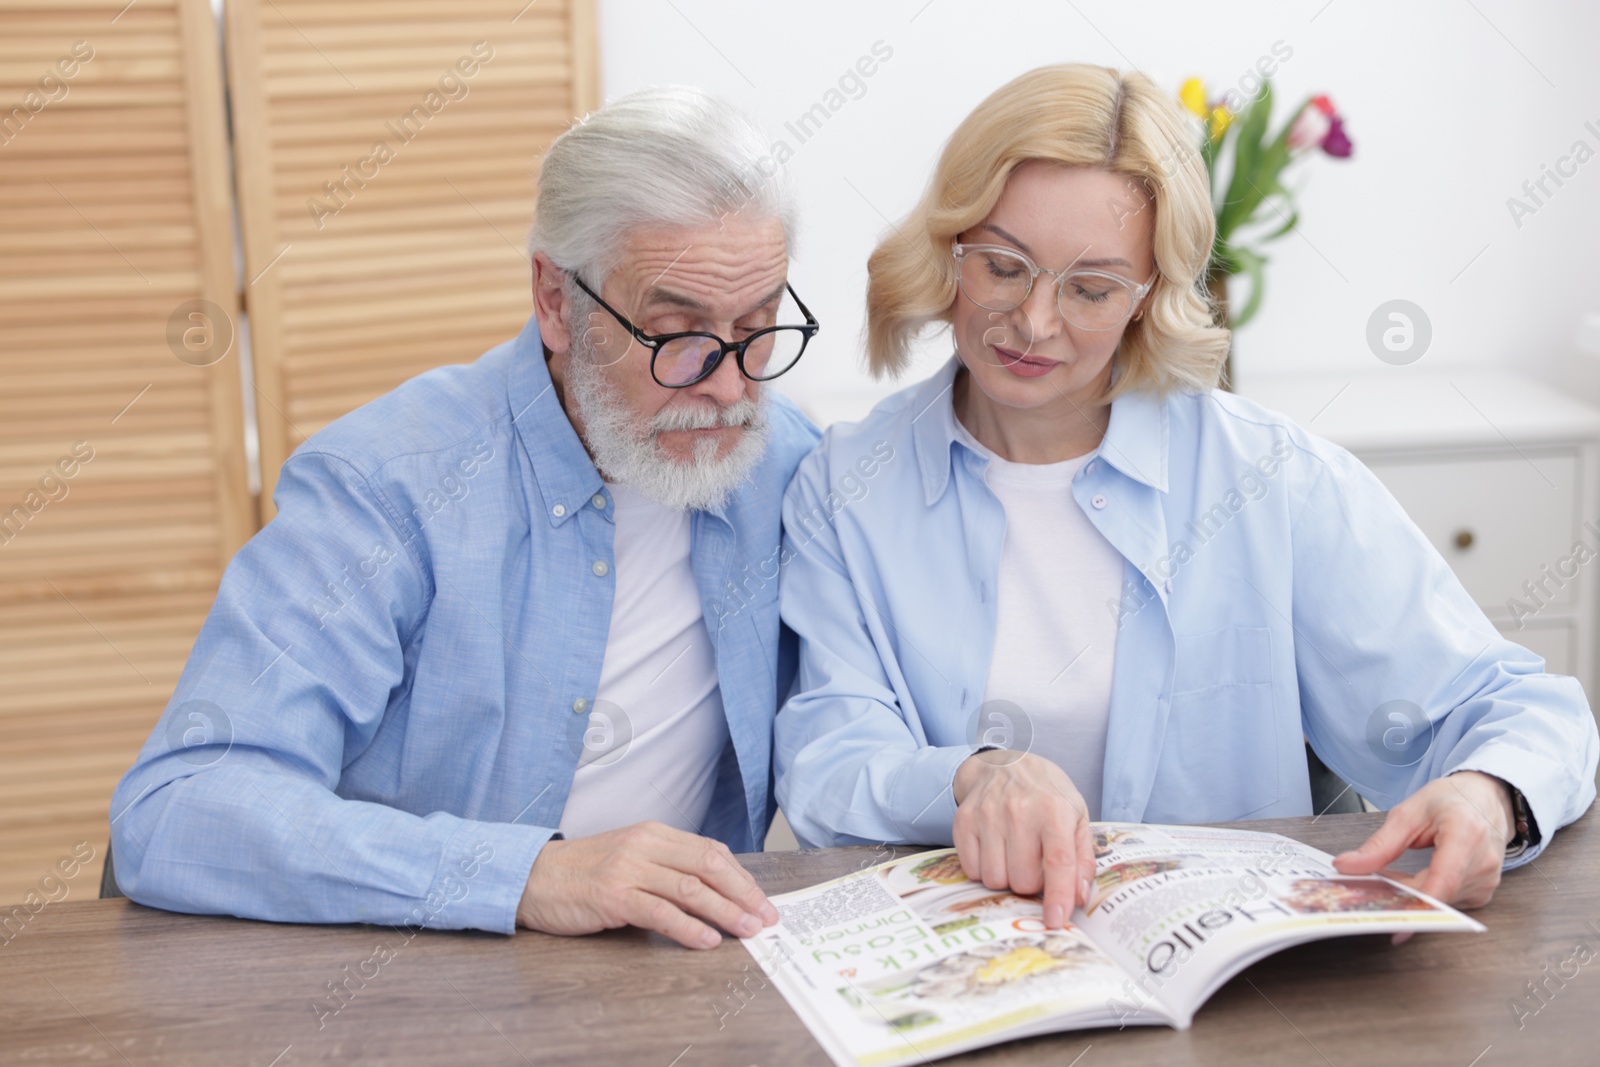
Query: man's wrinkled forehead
{"points": [[730, 267], [665, 296]]}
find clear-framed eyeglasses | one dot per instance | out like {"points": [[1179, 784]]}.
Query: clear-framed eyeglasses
{"points": [[997, 278]]}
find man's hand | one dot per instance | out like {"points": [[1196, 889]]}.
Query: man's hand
{"points": [[646, 875], [1466, 817], [1021, 823]]}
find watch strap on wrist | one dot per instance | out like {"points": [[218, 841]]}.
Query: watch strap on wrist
{"points": [[1527, 831]]}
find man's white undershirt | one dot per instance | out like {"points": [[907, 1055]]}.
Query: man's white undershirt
{"points": [[658, 692]]}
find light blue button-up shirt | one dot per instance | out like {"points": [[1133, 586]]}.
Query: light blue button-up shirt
{"points": [[383, 712], [1273, 590]]}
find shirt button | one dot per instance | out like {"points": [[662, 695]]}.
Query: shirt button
{"points": [[559, 510], [599, 500], [1168, 586], [580, 706], [1098, 500], [600, 569], [1088, 468]]}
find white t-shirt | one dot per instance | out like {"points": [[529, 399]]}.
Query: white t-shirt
{"points": [[1055, 642], [656, 732]]}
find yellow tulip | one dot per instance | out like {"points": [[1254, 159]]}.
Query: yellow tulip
{"points": [[1193, 97], [1221, 117]]}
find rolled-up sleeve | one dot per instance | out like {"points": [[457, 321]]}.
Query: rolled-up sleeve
{"points": [[232, 805], [852, 762], [1383, 626]]}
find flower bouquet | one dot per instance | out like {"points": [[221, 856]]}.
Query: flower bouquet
{"points": [[1256, 196]]}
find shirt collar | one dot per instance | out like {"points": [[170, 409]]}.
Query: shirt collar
{"points": [[933, 429], [1135, 442], [562, 469]]}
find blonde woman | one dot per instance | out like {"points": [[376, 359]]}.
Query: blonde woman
{"points": [[1065, 579]]}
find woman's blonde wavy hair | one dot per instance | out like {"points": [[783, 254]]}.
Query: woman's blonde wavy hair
{"points": [[1079, 115]]}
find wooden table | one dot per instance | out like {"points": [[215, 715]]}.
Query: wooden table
{"points": [[108, 981]]}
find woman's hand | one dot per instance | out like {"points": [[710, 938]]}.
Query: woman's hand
{"points": [[1466, 817], [1021, 824]]}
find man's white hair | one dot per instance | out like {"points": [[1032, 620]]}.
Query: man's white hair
{"points": [[668, 155]]}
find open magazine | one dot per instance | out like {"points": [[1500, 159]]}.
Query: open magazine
{"points": [[908, 961]]}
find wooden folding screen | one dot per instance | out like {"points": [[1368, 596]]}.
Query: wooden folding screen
{"points": [[122, 474], [387, 152]]}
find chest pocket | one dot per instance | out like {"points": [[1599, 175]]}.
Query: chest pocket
{"points": [[1235, 656], [1221, 749]]}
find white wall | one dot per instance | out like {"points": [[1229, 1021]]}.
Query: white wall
{"points": [[1452, 106]]}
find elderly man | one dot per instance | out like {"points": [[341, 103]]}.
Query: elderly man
{"points": [[485, 668]]}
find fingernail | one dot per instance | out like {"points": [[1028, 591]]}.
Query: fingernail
{"points": [[1053, 915], [769, 914], [1083, 891], [710, 939], [750, 925]]}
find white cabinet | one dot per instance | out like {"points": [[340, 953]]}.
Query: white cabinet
{"points": [[1496, 516], [1503, 476]]}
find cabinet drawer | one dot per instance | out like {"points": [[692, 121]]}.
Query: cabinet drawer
{"points": [[1495, 517]]}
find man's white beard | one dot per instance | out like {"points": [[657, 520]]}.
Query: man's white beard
{"points": [[631, 455]]}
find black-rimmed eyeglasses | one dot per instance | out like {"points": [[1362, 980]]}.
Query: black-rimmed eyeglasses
{"points": [[678, 360]]}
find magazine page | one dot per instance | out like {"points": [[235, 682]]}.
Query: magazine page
{"points": [[909, 961], [1183, 908]]}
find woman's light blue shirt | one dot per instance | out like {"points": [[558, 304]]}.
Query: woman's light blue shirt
{"points": [[1274, 591]]}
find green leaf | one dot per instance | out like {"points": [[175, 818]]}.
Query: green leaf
{"points": [[1270, 190], [1209, 151], [1282, 140], [1294, 217], [1241, 199], [1253, 264]]}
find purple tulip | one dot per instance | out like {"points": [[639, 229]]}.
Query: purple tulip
{"points": [[1336, 144]]}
